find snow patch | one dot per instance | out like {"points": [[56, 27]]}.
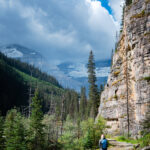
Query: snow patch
{"points": [[12, 53]]}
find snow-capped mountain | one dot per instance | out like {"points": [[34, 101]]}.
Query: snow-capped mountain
{"points": [[78, 72], [70, 75], [22, 53], [35, 58]]}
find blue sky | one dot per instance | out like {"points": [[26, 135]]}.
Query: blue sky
{"points": [[64, 30], [105, 3]]}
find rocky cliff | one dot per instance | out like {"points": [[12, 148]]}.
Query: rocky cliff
{"points": [[128, 85]]}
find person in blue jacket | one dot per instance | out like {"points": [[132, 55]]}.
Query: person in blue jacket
{"points": [[103, 143]]}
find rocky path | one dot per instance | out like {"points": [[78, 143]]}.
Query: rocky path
{"points": [[120, 145]]}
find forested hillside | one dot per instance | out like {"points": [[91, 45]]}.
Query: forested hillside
{"points": [[19, 80], [46, 116], [37, 112]]}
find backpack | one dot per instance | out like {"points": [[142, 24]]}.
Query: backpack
{"points": [[104, 143]]}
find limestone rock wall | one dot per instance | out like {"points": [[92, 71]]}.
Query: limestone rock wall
{"points": [[130, 72]]}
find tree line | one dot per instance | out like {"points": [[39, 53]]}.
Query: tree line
{"points": [[29, 69], [21, 131], [68, 124]]}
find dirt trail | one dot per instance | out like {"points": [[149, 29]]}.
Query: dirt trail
{"points": [[120, 145]]}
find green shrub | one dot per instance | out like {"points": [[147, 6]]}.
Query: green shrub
{"points": [[116, 73], [69, 139], [147, 79], [140, 15], [145, 140], [128, 2], [36, 128], [93, 131], [83, 136]]}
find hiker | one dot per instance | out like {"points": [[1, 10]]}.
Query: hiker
{"points": [[103, 143]]}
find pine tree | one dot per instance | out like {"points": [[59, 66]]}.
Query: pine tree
{"points": [[128, 2], [1, 133], [36, 133], [112, 53], [93, 91], [72, 104], [122, 20], [14, 131], [83, 104], [88, 144], [76, 104], [146, 122]]}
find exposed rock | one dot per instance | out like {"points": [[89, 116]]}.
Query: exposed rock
{"points": [[146, 148], [131, 64]]}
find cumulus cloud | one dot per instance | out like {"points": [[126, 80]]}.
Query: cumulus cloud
{"points": [[117, 6], [63, 30], [80, 70]]}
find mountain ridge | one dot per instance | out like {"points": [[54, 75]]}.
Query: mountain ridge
{"points": [[64, 73], [16, 81]]}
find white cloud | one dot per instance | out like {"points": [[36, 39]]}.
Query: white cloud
{"points": [[80, 70], [117, 6], [103, 72], [63, 30]]}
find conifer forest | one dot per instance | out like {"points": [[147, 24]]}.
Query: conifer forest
{"points": [[86, 74]]}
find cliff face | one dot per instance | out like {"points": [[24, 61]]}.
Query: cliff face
{"points": [[130, 74]]}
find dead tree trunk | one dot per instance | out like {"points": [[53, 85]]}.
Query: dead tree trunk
{"points": [[62, 114], [127, 88], [30, 94]]}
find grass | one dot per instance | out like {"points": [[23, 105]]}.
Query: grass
{"points": [[127, 140], [144, 141]]}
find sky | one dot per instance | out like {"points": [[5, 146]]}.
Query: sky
{"points": [[64, 30]]}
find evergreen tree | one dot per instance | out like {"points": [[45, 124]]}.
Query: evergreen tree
{"points": [[14, 131], [83, 103], [112, 54], [128, 2], [145, 141], [93, 91], [146, 122], [89, 140], [74, 105], [122, 20], [1, 133], [36, 133]]}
